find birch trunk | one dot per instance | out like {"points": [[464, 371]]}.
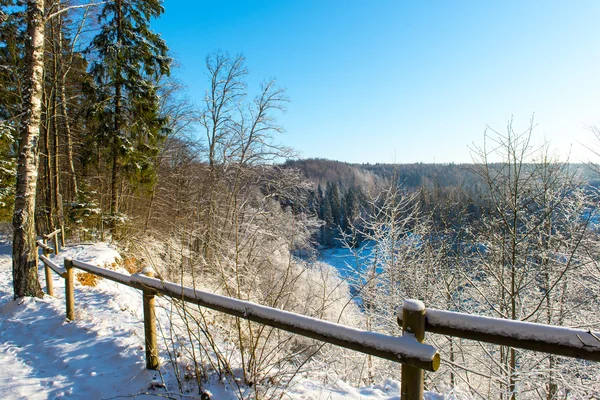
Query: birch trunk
{"points": [[25, 274]]}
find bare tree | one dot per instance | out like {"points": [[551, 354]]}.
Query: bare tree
{"points": [[223, 98], [530, 245]]}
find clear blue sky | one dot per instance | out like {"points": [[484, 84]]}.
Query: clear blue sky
{"points": [[405, 81]]}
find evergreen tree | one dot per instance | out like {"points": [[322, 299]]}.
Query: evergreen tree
{"points": [[7, 172], [333, 196], [351, 207], [326, 229], [130, 61], [12, 61], [321, 203], [12, 71]]}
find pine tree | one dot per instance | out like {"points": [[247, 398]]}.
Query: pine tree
{"points": [[12, 71], [320, 202], [333, 196], [130, 61]]}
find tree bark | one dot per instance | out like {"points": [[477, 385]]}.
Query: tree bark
{"points": [[25, 274], [62, 94], [48, 187], [114, 186], [57, 199]]}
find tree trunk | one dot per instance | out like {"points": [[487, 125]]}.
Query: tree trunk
{"points": [[57, 199], [114, 185], [62, 93], [48, 208], [68, 137], [114, 182], [25, 274]]}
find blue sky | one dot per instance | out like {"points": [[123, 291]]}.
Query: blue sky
{"points": [[405, 81]]}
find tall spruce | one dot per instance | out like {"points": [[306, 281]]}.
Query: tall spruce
{"points": [[130, 59], [12, 84]]}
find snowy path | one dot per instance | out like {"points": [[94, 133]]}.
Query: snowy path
{"points": [[43, 356]]}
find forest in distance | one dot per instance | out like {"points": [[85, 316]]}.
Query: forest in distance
{"points": [[342, 190], [98, 138]]}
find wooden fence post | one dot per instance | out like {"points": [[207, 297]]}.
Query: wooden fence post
{"points": [[56, 249], [413, 323], [150, 325], [48, 273], [69, 293], [62, 235]]}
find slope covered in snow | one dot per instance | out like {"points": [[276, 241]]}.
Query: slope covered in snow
{"points": [[101, 354]]}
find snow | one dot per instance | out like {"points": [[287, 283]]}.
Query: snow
{"points": [[44, 356], [54, 266], [101, 354], [340, 390], [413, 305]]}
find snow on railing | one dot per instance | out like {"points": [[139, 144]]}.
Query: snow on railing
{"points": [[54, 266], [564, 341], [45, 247], [52, 234]]}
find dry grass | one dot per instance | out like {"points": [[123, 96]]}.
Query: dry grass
{"points": [[132, 265], [87, 279]]}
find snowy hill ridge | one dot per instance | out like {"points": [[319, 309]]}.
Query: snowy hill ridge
{"points": [[101, 354]]}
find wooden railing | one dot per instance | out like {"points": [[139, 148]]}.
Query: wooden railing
{"points": [[409, 349], [559, 340]]}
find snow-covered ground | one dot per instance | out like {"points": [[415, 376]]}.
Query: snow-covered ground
{"points": [[101, 355]]}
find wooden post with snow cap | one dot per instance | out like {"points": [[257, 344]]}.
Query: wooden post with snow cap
{"points": [[150, 324], [413, 323], [69, 289]]}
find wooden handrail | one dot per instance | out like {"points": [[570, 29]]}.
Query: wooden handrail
{"points": [[52, 234], [562, 341], [107, 274], [405, 349], [53, 266], [47, 250], [44, 246]]}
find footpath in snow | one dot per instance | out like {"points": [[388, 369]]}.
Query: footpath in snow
{"points": [[101, 354]]}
